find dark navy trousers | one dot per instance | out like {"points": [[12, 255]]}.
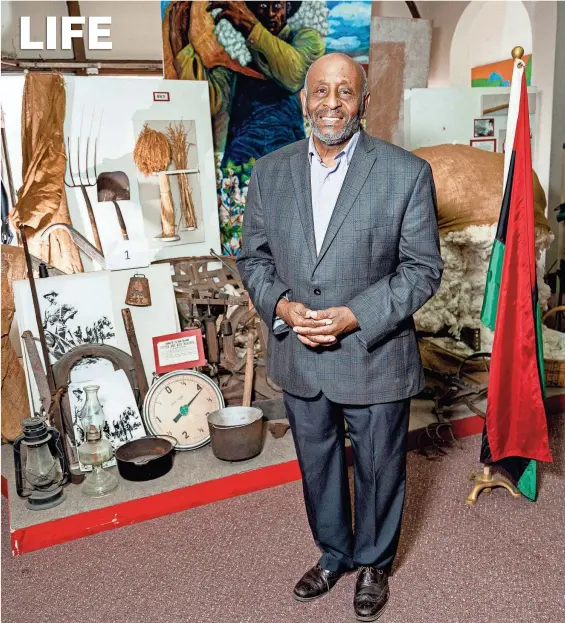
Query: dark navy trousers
{"points": [[378, 435]]}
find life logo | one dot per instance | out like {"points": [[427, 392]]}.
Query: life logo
{"points": [[68, 33]]}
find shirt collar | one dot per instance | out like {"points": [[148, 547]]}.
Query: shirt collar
{"points": [[346, 152]]}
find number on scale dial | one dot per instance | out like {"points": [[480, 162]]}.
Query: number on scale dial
{"points": [[178, 405]]}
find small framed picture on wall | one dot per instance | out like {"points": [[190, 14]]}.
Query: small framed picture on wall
{"points": [[483, 127], [501, 140], [486, 144]]}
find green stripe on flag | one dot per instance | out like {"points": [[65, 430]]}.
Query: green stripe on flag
{"points": [[492, 288], [539, 344], [527, 483]]}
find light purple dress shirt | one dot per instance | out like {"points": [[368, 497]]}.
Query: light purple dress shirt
{"points": [[326, 183]]}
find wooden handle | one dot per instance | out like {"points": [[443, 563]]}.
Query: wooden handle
{"points": [[487, 111], [248, 379], [135, 353], [167, 206], [90, 211], [555, 310], [121, 221]]}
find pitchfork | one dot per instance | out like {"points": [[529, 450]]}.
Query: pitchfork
{"points": [[81, 183]]}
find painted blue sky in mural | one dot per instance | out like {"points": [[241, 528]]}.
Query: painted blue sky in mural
{"points": [[349, 24]]}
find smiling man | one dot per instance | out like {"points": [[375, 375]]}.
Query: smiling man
{"points": [[340, 249]]}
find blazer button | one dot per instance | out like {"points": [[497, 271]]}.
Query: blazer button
{"points": [[317, 291]]}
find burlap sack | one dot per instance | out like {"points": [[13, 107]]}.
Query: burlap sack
{"points": [[41, 199], [15, 404], [469, 186]]}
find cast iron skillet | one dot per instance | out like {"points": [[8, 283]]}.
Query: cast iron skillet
{"points": [[146, 458]]}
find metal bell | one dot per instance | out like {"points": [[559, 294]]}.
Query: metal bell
{"points": [[138, 293]]}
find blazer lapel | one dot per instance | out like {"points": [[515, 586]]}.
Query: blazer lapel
{"points": [[360, 166], [300, 170]]}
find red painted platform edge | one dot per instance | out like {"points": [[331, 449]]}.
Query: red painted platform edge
{"points": [[127, 513], [4, 486], [58, 531]]}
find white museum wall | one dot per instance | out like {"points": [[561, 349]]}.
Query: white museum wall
{"points": [[135, 29], [123, 104], [444, 116], [486, 33]]}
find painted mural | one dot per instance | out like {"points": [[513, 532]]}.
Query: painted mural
{"points": [[499, 74], [255, 56]]}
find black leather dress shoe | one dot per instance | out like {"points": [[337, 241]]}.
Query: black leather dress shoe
{"points": [[371, 594], [315, 583]]}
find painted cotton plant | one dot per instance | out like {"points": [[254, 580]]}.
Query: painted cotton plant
{"points": [[232, 182]]}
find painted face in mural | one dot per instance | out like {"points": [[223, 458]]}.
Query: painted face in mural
{"points": [[271, 14], [333, 100]]}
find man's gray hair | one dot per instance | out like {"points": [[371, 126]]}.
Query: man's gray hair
{"points": [[364, 82]]}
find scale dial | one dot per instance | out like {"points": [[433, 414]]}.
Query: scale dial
{"points": [[178, 405]]}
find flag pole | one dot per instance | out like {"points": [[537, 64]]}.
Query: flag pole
{"points": [[485, 480]]}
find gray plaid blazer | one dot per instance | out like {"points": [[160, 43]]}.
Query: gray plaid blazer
{"points": [[380, 258]]}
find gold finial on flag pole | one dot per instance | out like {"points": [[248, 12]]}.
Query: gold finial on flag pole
{"points": [[518, 52]]}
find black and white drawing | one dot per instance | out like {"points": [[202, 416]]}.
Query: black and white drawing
{"points": [[75, 310], [484, 127], [64, 330], [122, 420]]}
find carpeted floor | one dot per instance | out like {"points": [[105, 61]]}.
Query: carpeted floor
{"points": [[236, 561]]}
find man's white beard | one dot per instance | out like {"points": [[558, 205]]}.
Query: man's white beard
{"points": [[336, 138]]}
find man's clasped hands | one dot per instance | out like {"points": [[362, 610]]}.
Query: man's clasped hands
{"points": [[320, 327]]}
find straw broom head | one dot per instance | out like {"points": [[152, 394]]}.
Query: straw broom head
{"points": [[177, 136], [152, 152]]}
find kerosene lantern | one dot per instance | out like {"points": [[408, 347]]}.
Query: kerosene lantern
{"points": [[41, 470], [95, 451]]}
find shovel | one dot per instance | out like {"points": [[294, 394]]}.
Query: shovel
{"points": [[114, 186]]}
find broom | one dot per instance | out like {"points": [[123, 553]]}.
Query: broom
{"points": [[178, 142], [152, 154]]}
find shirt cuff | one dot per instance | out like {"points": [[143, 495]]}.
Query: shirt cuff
{"points": [[279, 324], [257, 33]]}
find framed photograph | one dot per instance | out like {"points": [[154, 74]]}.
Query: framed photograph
{"points": [[486, 144], [502, 140], [483, 127], [179, 351]]}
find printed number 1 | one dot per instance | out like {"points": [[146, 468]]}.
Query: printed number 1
{"points": [[127, 255]]}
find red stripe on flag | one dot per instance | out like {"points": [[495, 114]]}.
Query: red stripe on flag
{"points": [[516, 419]]}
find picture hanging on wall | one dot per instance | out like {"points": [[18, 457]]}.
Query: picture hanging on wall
{"points": [[255, 61], [501, 140], [486, 144], [75, 310], [483, 127], [499, 74]]}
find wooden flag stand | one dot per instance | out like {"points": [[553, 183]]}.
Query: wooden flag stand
{"points": [[485, 480]]}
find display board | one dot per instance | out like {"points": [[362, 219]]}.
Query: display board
{"points": [[445, 116], [103, 118]]}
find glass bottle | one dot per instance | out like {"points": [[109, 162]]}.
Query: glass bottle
{"points": [[95, 451], [91, 413]]}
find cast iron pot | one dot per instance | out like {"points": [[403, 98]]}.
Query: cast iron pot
{"points": [[146, 458], [236, 433]]}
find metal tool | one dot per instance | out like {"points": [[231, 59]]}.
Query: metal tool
{"points": [[81, 242], [38, 372], [76, 178], [232, 271], [135, 352], [66, 433], [113, 186]]}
